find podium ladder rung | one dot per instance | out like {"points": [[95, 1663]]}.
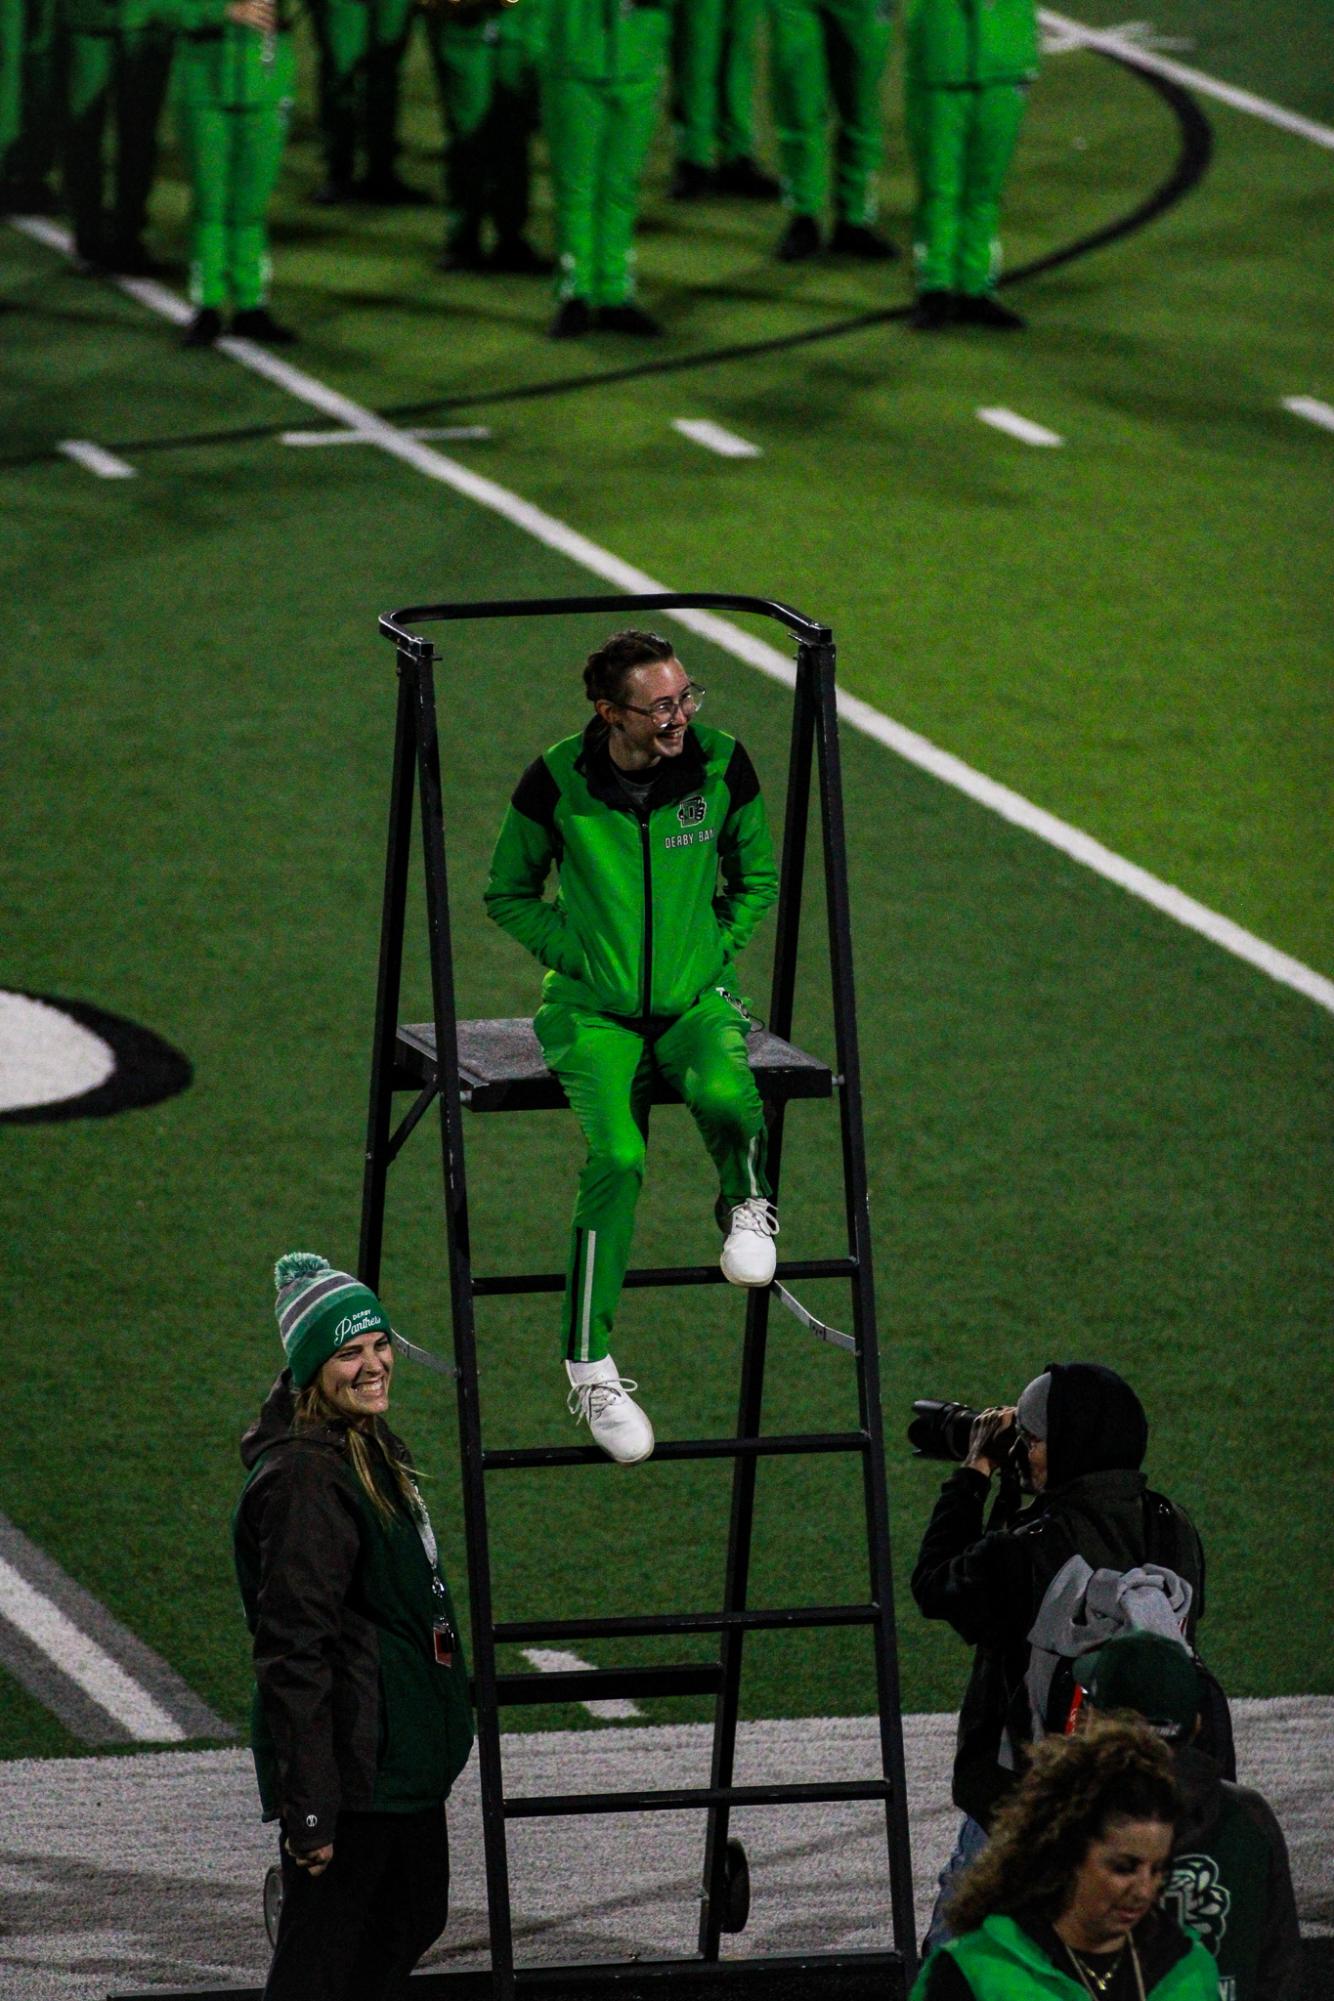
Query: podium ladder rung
{"points": [[639, 1625], [778, 1445], [597, 1684], [539, 1805]]}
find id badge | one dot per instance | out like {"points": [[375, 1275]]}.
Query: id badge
{"points": [[442, 1642]]}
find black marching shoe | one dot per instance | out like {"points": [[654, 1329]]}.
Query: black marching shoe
{"points": [[573, 318], [690, 181], [746, 177], [800, 240], [932, 311], [628, 319], [855, 239], [334, 192], [203, 329], [258, 323], [980, 309], [516, 256]]}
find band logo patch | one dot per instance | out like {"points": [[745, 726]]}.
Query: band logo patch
{"points": [[692, 811]]}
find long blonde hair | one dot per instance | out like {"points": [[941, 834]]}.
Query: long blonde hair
{"points": [[364, 1449]]}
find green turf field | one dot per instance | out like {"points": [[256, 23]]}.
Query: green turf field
{"points": [[1092, 1132]]}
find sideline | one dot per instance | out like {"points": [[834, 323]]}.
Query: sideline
{"points": [[599, 562], [1109, 43]]}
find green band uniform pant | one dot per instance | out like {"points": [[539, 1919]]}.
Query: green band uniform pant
{"points": [[713, 79], [823, 51], [233, 154], [361, 46], [124, 74], [605, 1066], [487, 83], [962, 139], [599, 131]]}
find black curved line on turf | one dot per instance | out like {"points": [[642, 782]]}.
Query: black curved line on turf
{"points": [[1192, 163], [147, 1068]]}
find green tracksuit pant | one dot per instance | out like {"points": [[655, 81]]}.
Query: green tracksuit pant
{"points": [[962, 139], [487, 80], [125, 74], [606, 1069], [361, 45], [827, 50], [233, 143], [599, 130], [713, 79]]}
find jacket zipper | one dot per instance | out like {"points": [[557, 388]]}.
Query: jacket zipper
{"points": [[646, 851]]}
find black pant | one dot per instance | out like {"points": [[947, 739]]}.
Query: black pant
{"points": [[355, 1932]]}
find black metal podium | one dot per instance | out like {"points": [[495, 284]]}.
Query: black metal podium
{"points": [[496, 1066]]}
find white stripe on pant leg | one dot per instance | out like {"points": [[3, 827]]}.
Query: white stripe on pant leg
{"points": [[751, 1151], [591, 1237]]}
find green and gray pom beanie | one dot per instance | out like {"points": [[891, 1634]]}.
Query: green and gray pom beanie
{"points": [[318, 1310]]}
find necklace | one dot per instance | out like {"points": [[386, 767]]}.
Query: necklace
{"points": [[1099, 1982]]}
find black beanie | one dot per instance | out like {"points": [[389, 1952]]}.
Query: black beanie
{"points": [[1095, 1422]]}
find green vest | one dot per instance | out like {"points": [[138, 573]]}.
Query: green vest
{"points": [[1002, 1963], [970, 41]]}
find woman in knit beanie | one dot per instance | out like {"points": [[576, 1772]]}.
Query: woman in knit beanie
{"points": [[360, 1722]]}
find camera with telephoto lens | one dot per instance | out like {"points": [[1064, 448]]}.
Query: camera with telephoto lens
{"points": [[942, 1430]]}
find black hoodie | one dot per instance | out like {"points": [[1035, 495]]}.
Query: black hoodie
{"points": [[989, 1584]]}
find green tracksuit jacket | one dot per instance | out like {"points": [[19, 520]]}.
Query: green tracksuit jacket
{"points": [[1003, 1961], [602, 75], [232, 88], [639, 927], [967, 65], [654, 903]]}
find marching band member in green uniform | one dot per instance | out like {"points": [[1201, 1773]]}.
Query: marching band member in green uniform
{"points": [[362, 45], [968, 64], [486, 54], [119, 58], [823, 50], [603, 67], [233, 85]]}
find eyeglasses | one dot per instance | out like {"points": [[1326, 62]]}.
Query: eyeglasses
{"points": [[687, 702]]}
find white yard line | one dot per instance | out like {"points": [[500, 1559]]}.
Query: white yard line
{"points": [[757, 653], [441, 433], [105, 464], [1113, 44], [551, 1660], [1015, 426], [703, 431], [1312, 409], [83, 1662]]}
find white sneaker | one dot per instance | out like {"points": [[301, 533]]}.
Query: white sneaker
{"points": [[604, 1402], [748, 1255]]}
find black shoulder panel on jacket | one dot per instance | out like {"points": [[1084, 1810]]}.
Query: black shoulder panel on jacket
{"points": [[741, 781], [536, 794]]}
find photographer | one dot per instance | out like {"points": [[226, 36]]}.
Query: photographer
{"points": [[1075, 1441]]}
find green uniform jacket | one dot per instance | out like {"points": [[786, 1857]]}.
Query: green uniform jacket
{"points": [[970, 41], [612, 40], [351, 1710], [639, 926], [1003, 1961]]}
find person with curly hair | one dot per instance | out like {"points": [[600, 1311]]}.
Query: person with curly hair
{"points": [[1063, 1902]]}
